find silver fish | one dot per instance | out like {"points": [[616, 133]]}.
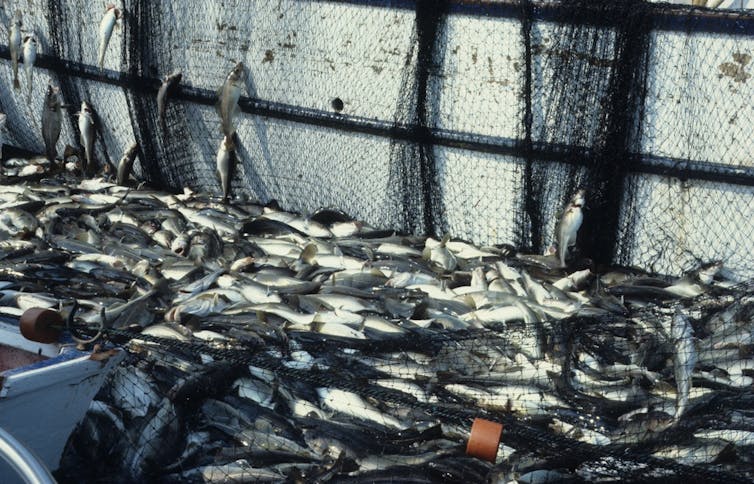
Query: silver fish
{"points": [[14, 44], [225, 166], [168, 85], [228, 95], [126, 164], [86, 129], [30, 57], [3, 119], [439, 255], [106, 26], [52, 119], [569, 224], [684, 359]]}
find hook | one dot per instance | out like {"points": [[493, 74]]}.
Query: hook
{"points": [[74, 336]]}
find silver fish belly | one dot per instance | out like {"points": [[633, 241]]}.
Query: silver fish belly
{"points": [[106, 31], [569, 225], [14, 44], [86, 129], [228, 96], [225, 166], [125, 165], [52, 120], [162, 96]]}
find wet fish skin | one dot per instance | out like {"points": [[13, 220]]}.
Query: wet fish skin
{"points": [[106, 26], [228, 96], [126, 164], [569, 225], [52, 119], [30, 57], [684, 359], [14, 44], [225, 165], [168, 85], [86, 136], [3, 120]]}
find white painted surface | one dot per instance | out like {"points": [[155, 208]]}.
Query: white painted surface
{"points": [[479, 88], [718, 70], [41, 407], [10, 335], [307, 53], [690, 222]]}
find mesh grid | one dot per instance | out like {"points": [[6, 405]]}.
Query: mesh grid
{"points": [[586, 77], [476, 120]]}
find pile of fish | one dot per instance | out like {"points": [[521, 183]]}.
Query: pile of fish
{"points": [[363, 346]]}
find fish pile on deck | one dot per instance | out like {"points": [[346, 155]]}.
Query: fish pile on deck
{"points": [[587, 356]]}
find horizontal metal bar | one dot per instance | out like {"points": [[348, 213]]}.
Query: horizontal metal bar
{"points": [[664, 16], [545, 152]]}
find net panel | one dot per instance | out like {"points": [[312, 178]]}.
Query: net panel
{"points": [[624, 89]]}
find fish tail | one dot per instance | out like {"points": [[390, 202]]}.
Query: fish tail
{"points": [[561, 254], [101, 61], [227, 128], [16, 84]]}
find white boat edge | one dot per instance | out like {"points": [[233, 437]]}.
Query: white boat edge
{"points": [[41, 403]]}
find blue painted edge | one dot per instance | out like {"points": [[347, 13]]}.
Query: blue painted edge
{"points": [[68, 355]]}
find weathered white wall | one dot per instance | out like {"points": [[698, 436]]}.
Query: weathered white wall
{"points": [[307, 53]]}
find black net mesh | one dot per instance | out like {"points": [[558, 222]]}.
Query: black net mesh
{"points": [[344, 345], [477, 119], [598, 403]]}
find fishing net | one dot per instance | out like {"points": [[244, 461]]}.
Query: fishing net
{"points": [[476, 119], [598, 405]]}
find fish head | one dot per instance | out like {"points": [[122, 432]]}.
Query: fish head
{"points": [[579, 198], [707, 272], [51, 98], [116, 11], [17, 18], [228, 143], [238, 73], [175, 77]]}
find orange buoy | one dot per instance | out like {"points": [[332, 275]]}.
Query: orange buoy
{"points": [[41, 325], [484, 439]]}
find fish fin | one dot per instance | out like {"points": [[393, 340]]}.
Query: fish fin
{"points": [[445, 240], [218, 102], [469, 301], [308, 254]]}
